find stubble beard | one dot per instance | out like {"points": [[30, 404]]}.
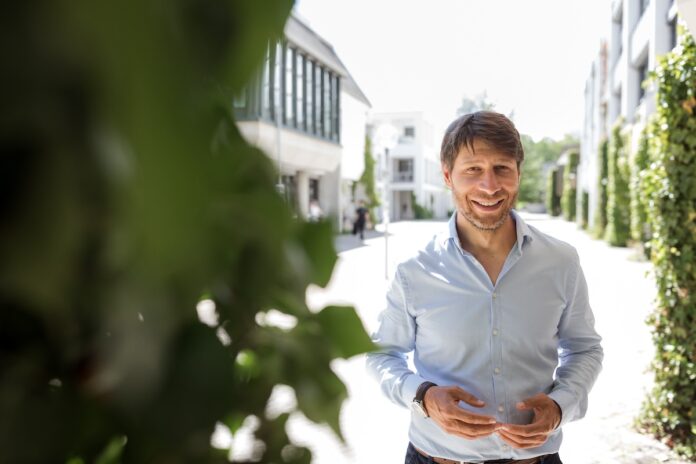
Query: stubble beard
{"points": [[489, 225]]}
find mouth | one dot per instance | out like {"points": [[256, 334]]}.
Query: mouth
{"points": [[488, 206]]}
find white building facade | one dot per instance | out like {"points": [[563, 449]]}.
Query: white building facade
{"points": [[641, 31], [409, 165], [305, 111]]}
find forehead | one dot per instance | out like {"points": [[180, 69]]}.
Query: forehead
{"points": [[482, 151]]}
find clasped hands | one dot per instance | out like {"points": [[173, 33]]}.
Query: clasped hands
{"points": [[442, 404]]}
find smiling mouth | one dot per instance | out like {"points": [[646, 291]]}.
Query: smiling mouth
{"points": [[488, 205]]}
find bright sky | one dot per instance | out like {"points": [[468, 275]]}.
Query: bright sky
{"points": [[530, 56]]}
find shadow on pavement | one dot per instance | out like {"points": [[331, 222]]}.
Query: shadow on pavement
{"points": [[346, 242]]}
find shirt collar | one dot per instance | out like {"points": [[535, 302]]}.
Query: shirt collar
{"points": [[523, 231]]}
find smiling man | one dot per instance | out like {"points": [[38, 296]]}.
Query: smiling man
{"points": [[496, 315]]}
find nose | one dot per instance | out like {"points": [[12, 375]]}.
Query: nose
{"points": [[489, 182]]}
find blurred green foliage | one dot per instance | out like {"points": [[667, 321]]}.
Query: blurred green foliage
{"points": [[670, 410], [584, 210], [553, 200], [367, 179], [127, 193], [640, 227], [600, 214], [618, 227], [570, 191], [538, 155]]}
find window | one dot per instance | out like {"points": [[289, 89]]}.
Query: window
{"points": [[299, 90], [642, 74], [277, 102], [266, 84], [310, 96], [409, 131], [289, 84], [335, 133], [318, 119], [326, 103], [673, 33]]}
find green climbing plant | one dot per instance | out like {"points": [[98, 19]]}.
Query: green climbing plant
{"points": [[640, 227], [670, 410], [618, 198], [569, 196], [600, 213]]}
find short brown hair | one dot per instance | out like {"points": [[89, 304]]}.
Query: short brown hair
{"points": [[493, 128]]}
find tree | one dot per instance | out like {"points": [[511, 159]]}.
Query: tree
{"points": [[603, 180], [569, 197], [367, 179], [618, 199], [128, 196]]}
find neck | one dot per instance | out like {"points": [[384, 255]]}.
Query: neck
{"points": [[490, 242]]}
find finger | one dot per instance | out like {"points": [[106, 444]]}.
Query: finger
{"points": [[529, 430], [535, 401], [457, 413], [463, 395], [523, 442], [463, 429]]}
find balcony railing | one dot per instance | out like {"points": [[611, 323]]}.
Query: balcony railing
{"points": [[403, 177]]}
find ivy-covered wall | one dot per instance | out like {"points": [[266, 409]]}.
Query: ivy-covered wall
{"points": [[640, 227], [569, 197], [670, 409], [553, 200], [618, 200], [600, 213]]}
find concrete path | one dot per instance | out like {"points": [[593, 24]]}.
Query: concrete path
{"points": [[621, 293]]}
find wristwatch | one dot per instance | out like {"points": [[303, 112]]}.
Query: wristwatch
{"points": [[417, 405]]}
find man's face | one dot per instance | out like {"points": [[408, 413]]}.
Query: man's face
{"points": [[484, 185]]}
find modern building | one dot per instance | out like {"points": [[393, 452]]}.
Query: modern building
{"points": [[409, 165], [308, 114], [641, 31]]}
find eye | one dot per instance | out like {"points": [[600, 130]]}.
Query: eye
{"points": [[473, 169]]}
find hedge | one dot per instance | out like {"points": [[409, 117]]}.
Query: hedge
{"points": [[553, 201], [640, 229], [569, 197], [618, 199], [585, 210], [670, 410], [600, 214]]}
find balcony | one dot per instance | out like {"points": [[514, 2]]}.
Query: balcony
{"points": [[406, 176]]}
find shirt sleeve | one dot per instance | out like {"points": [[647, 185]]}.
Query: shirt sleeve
{"points": [[580, 352], [395, 337]]}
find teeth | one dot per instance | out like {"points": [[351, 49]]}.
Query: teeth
{"points": [[488, 204]]}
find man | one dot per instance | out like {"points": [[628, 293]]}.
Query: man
{"points": [[360, 220], [489, 310]]}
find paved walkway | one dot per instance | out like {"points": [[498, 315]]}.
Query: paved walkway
{"points": [[621, 294]]}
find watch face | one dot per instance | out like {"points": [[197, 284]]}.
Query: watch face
{"points": [[417, 407]]}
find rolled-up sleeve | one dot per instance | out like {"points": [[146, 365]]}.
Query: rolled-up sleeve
{"points": [[396, 336], [580, 351]]}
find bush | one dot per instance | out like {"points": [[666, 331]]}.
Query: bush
{"points": [[569, 198], [670, 410], [640, 227], [553, 200], [128, 195], [618, 199], [420, 211], [585, 210], [600, 214]]}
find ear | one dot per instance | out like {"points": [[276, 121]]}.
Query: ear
{"points": [[447, 175]]}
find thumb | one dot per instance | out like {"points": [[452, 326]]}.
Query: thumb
{"points": [[462, 395], [530, 403]]}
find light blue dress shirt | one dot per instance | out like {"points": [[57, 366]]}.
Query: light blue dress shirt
{"points": [[531, 332]]}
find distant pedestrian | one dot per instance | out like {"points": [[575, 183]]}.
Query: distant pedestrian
{"points": [[360, 220], [496, 314], [315, 212]]}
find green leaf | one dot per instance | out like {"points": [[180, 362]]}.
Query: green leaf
{"points": [[345, 331], [316, 239]]}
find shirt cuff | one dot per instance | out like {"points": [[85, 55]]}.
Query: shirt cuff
{"points": [[410, 388], [567, 402]]}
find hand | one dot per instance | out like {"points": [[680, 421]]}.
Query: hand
{"points": [[547, 416], [442, 404]]}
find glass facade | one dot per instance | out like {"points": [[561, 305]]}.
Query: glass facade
{"points": [[296, 88]]}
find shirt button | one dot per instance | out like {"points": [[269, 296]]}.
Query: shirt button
{"points": [[495, 295], [497, 370], [501, 408], [495, 332]]}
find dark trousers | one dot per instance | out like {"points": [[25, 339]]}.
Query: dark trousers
{"points": [[414, 457]]}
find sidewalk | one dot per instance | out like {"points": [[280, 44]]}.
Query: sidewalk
{"points": [[621, 293]]}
